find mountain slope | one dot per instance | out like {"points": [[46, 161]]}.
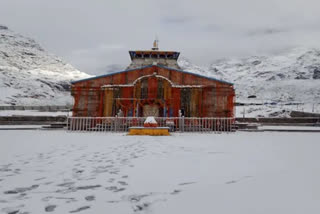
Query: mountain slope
{"points": [[289, 77], [31, 76]]}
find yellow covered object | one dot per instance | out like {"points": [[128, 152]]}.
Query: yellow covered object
{"points": [[152, 131]]}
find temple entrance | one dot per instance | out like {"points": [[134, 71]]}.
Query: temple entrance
{"points": [[152, 96], [150, 110]]}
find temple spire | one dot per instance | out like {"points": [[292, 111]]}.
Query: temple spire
{"points": [[156, 45]]}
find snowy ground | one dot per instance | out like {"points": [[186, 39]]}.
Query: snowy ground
{"points": [[59, 172]]}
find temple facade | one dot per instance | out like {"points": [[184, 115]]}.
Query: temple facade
{"points": [[153, 85]]}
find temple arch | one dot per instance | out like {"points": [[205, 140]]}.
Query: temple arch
{"points": [[152, 95]]}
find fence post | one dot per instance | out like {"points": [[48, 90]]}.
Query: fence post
{"points": [[181, 124], [116, 124], [67, 123]]}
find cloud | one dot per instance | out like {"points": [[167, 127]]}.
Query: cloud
{"points": [[95, 60], [94, 34], [176, 20]]}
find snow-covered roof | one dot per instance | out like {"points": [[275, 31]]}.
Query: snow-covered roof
{"points": [[148, 66]]}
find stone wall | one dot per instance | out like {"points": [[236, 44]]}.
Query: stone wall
{"points": [[32, 120], [303, 114], [37, 108]]}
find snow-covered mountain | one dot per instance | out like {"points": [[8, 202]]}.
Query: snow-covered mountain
{"points": [[31, 76], [288, 77]]}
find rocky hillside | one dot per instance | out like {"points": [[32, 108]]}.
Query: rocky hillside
{"points": [[289, 77], [31, 76]]}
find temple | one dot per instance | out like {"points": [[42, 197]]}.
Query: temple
{"points": [[153, 85]]}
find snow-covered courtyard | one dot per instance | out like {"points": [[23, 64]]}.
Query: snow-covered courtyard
{"points": [[243, 173]]}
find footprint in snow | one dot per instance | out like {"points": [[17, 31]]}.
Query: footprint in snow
{"points": [[88, 187], [140, 207], [13, 210], [50, 208], [232, 182], [123, 183], [186, 183], [39, 179], [115, 189], [67, 184], [80, 209], [236, 181], [216, 153], [90, 198], [175, 192], [21, 189]]}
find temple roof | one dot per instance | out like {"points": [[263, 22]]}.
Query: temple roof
{"points": [[160, 66]]}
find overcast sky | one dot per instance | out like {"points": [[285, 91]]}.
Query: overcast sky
{"points": [[93, 34]]}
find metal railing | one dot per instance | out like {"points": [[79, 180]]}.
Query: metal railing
{"points": [[175, 124]]}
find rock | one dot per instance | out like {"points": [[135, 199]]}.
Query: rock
{"points": [[316, 73], [301, 76], [2, 27]]}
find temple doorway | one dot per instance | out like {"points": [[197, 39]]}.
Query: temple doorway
{"points": [[151, 111]]}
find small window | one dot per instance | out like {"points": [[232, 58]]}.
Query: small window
{"points": [[147, 56], [162, 56]]}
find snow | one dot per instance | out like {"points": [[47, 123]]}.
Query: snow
{"points": [[150, 120], [33, 113], [185, 173], [20, 126], [289, 77], [31, 76]]}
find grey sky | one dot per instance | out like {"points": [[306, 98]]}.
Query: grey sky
{"points": [[94, 34]]}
